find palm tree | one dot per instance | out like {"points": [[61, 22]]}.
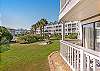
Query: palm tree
{"points": [[43, 23], [40, 26], [34, 27]]}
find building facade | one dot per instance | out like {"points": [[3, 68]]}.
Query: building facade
{"points": [[87, 12], [16, 32], [70, 27]]}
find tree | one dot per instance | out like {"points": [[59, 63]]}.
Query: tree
{"points": [[43, 23], [5, 35], [40, 24], [34, 27]]}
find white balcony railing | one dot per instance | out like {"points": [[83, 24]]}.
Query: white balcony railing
{"points": [[79, 58]]}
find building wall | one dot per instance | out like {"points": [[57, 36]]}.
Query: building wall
{"points": [[70, 27]]}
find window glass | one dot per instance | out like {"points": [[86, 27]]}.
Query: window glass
{"points": [[97, 42], [88, 36]]}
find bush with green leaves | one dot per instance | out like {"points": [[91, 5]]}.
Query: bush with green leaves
{"points": [[4, 47], [56, 36], [5, 38], [5, 35], [26, 39], [72, 36]]}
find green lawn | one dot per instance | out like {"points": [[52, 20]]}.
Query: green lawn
{"points": [[27, 57]]}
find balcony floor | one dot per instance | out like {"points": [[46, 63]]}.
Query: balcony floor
{"points": [[56, 62]]}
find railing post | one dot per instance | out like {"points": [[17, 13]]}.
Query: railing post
{"points": [[81, 60], [63, 32]]}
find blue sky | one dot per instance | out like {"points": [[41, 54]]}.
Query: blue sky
{"points": [[24, 13]]}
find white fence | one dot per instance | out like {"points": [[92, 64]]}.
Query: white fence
{"points": [[79, 58]]}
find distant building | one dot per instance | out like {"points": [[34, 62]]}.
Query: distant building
{"points": [[70, 27], [15, 32], [12, 31], [20, 31]]}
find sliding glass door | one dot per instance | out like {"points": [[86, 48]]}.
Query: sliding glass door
{"points": [[91, 35], [97, 41], [88, 35]]}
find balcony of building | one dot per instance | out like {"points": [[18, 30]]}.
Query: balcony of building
{"points": [[83, 55]]}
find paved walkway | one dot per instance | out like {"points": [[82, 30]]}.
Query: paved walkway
{"points": [[56, 63]]}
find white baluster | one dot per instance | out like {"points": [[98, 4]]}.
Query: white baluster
{"points": [[88, 63], [68, 54], [72, 57], [81, 60], [94, 65], [77, 60]]}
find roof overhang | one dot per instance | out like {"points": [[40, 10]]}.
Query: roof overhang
{"points": [[85, 9]]}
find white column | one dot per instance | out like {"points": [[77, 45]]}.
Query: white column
{"points": [[63, 31], [80, 31]]}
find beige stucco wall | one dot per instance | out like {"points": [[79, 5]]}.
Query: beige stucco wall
{"points": [[83, 10]]}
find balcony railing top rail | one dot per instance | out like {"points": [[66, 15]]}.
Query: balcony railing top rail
{"points": [[82, 48]]}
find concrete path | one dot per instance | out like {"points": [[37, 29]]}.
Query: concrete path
{"points": [[56, 63]]}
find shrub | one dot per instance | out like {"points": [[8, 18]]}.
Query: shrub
{"points": [[5, 38], [5, 35], [56, 37], [72, 36], [26, 39], [5, 47]]}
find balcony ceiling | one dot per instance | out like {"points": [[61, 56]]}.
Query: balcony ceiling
{"points": [[84, 9]]}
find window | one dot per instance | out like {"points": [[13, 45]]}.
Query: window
{"points": [[91, 35], [74, 25], [59, 29], [88, 34], [59, 25], [69, 25], [97, 41]]}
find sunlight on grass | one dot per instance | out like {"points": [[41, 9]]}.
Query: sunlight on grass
{"points": [[27, 57]]}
